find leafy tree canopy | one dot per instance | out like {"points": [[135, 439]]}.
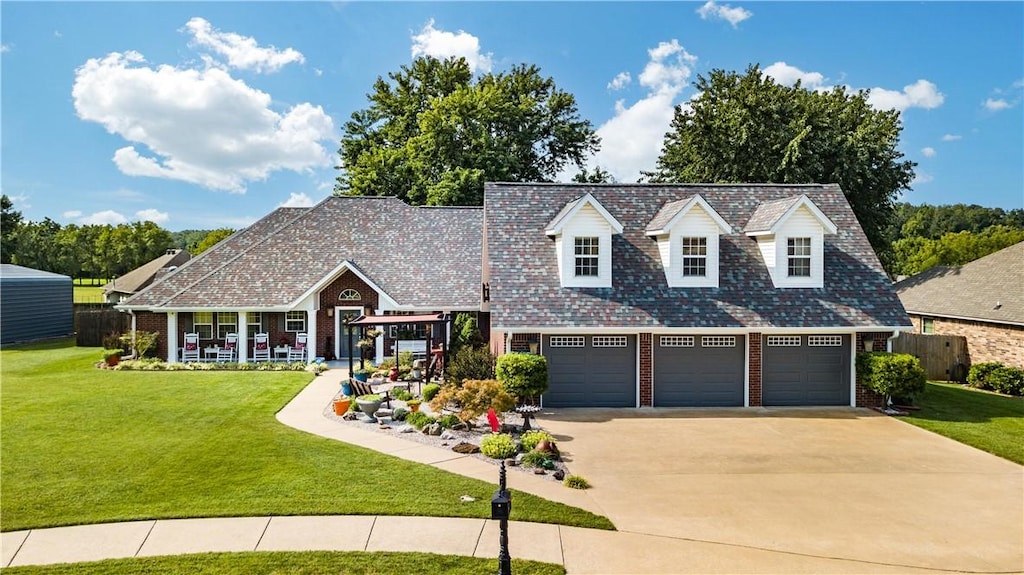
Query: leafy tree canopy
{"points": [[433, 134], [932, 222], [10, 220], [747, 128], [211, 239], [915, 254]]}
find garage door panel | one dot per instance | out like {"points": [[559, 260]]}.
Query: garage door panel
{"points": [[589, 376], [699, 371], [796, 373]]}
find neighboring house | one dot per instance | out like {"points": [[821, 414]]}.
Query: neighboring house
{"points": [[686, 295], [120, 289], [638, 295], [305, 270], [35, 304], [982, 300]]}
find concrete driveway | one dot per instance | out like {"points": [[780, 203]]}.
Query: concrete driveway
{"points": [[831, 484]]}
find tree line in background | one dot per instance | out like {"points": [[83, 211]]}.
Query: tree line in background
{"points": [[93, 250]]}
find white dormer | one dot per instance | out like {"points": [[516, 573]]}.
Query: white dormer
{"points": [[583, 243], [790, 235], [687, 233]]}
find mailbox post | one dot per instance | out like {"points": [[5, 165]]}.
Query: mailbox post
{"points": [[501, 509]]}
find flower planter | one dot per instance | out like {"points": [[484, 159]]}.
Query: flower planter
{"points": [[360, 376], [369, 408], [341, 406]]}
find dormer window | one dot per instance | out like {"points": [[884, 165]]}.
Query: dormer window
{"points": [[695, 257], [587, 256], [583, 232], [687, 232], [799, 255]]}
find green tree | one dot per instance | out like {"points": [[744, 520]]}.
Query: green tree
{"points": [[38, 247], [433, 135], [10, 222], [916, 254], [211, 239], [598, 176], [747, 128]]}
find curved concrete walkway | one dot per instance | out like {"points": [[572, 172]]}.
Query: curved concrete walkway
{"points": [[579, 550]]}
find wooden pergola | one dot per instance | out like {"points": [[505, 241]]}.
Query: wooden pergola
{"points": [[442, 320]]}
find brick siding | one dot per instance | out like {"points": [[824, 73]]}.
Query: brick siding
{"points": [[985, 341], [755, 369], [866, 397], [329, 299], [646, 370], [149, 321]]}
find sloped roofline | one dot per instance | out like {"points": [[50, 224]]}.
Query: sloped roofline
{"points": [[572, 208], [345, 265], [797, 202], [681, 211]]}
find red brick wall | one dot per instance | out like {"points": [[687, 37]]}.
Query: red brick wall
{"points": [[985, 341], [149, 321], [755, 369], [866, 397], [646, 369], [329, 299], [521, 341]]}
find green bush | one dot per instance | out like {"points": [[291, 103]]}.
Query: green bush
{"points": [[474, 398], [531, 438], [498, 446], [891, 374], [448, 421], [419, 420], [978, 376], [109, 353], [533, 458], [523, 374], [576, 482], [400, 414], [430, 390], [401, 394], [369, 397], [1008, 380], [471, 363], [145, 341]]}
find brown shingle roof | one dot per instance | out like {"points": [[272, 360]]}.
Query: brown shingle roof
{"points": [[988, 289], [420, 256], [145, 274]]}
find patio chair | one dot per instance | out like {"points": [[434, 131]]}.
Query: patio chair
{"points": [[228, 353], [191, 350], [297, 352], [364, 388], [261, 347]]}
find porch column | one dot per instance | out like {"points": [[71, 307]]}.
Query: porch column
{"points": [[310, 335], [172, 337], [243, 337], [379, 345]]}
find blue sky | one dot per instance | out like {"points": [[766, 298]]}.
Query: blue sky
{"points": [[204, 115]]}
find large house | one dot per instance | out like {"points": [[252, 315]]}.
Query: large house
{"points": [[982, 300], [638, 295]]}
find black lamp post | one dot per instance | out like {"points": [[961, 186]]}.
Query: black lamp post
{"points": [[501, 508]]}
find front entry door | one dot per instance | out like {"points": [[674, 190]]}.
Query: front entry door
{"points": [[343, 315]]}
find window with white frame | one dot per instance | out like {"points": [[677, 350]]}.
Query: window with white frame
{"points": [[609, 341], [253, 323], [567, 341], [227, 322], [295, 321], [587, 256], [676, 341], [718, 341], [349, 295], [798, 251], [695, 257], [927, 325], [783, 341], [824, 340], [202, 323]]}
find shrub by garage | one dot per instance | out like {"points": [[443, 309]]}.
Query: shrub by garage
{"points": [[524, 375], [897, 375]]}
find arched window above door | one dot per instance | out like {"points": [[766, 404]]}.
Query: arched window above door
{"points": [[349, 295]]}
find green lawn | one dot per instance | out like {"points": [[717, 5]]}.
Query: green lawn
{"points": [[276, 563], [83, 445], [87, 294], [990, 422]]}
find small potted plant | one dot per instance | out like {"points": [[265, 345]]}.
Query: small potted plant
{"points": [[369, 404], [112, 356], [362, 374], [414, 404], [341, 404]]}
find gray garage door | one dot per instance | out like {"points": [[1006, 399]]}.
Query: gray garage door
{"points": [[695, 370], [591, 370], [805, 370]]}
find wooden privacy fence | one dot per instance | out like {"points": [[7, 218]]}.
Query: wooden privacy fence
{"points": [[94, 321], [943, 357]]}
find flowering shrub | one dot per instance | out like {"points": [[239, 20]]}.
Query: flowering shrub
{"points": [[155, 364]]}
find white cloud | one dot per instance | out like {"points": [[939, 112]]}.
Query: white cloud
{"points": [[631, 140], [241, 51], [440, 44], [951, 137], [5, 48], [921, 178], [920, 94], [997, 104], [318, 72], [105, 217], [71, 214], [788, 75], [928, 152], [199, 126], [20, 202], [712, 11], [620, 81], [57, 34], [152, 215], [297, 201]]}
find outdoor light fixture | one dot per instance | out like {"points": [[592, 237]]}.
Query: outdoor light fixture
{"points": [[330, 312], [501, 509]]}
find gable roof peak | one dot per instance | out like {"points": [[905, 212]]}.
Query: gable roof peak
{"points": [[673, 211], [570, 209], [769, 216]]}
